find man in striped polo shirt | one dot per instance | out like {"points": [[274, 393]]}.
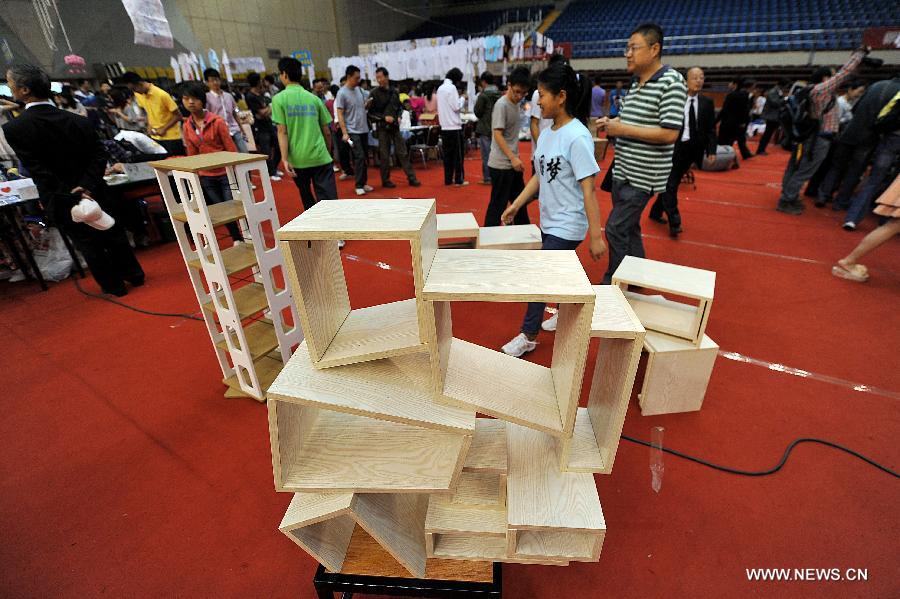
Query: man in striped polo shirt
{"points": [[646, 130]]}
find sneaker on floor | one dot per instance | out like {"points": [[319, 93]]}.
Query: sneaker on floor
{"points": [[343, 177], [793, 208], [463, 184], [360, 191], [368, 188], [550, 323], [415, 183], [389, 185], [280, 173], [341, 244], [849, 226], [275, 178], [519, 346], [336, 169]]}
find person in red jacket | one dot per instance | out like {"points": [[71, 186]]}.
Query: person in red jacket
{"points": [[205, 133]]}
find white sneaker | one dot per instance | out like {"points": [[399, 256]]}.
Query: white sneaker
{"points": [[368, 188], [360, 191], [519, 346], [275, 178], [849, 226], [280, 173], [336, 169], [550, 323], [341, 244], [343, 177]]}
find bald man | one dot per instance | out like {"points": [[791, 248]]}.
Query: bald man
{"points": [[696, 140]]}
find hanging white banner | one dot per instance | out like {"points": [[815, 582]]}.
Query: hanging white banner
{"points": [[151, 28]]}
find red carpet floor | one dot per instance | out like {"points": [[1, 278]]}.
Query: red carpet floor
{"points": [[124, 472]]}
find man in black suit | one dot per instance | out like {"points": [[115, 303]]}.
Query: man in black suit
{"points": [[735, 116], [696, 140], [67, 161]]}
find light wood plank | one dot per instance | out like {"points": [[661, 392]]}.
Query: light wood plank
{"points": [[205, 162], [488, 451], [511, 237], [663, 276], [478, 488], [327, 541], [676, 380], [219, 214], [657, 313], [248, 300], [309, 508], [457, 225], [583, 453], [493, 383], [261, 339], [558, 545], [397, 522], [665, 344], [540, 497], [613, 315], [343, 453], [234, 259], [373, 333], [319, 288], [394, 389], [439, 351], [359, 219], [481, 549], [423, 250], [507, 276], [445, 516], [569, 355]]}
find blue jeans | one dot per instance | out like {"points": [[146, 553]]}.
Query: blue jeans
{"points": [[533, 316], [885, 155], [623, 227], [484, 142], [240, 142]]}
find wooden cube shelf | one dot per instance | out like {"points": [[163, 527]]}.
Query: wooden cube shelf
{"points": [[663, 315], [598, 426], [461, 225], [323, 524], [676, 375], [510, 237], [317, 450], [392, 389], [489, 381], [336, 334]]}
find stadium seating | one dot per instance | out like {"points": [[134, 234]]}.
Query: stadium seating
{"points": [[598, 29], [474, 24]]}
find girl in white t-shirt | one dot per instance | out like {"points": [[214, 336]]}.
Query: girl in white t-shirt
{"points": [[565, 170]]}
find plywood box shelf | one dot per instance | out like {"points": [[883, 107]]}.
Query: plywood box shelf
{"points": [[219, 214], [480, 549], [248, 300], [511, 237], [393, 389], [457, 225], [488, 450], [677, 374], [335, 334], [448, 517], [664, 315], [316, 450], [573, 546], [613, 316]]}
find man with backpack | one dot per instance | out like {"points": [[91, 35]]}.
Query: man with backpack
{"points": [[484, 110], [810, 125]]}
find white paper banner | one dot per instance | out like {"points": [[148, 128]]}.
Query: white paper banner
{"points": [[151, 28]]}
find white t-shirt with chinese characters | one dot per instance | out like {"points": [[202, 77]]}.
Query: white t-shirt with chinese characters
{"points": [[563, 158], [543, 124]]}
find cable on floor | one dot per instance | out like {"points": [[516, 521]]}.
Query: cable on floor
{"points": [[124, 305], [774, 469]]}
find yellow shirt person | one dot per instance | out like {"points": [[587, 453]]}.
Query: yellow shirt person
{"points": [[160, 108]]}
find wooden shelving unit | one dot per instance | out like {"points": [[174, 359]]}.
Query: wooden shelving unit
{"points": [[459, 225], [244, 322], [336, 334], [677, 374]]}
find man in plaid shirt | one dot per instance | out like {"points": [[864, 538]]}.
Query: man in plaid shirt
{"points": [[810, 153]]}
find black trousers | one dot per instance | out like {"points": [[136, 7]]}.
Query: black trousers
{"points": [[729, 134], [667, 201], [506, 185], [771, 128], [216, 190], [342, 151], [847, 167], [318, 178], [453, 149], [360, 151], [267, 143], [386, 137], [623, 227]]}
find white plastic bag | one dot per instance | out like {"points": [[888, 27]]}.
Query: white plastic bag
{"points": [[51, 255]]}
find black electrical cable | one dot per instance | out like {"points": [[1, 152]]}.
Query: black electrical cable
{"points": [[774, 469], [124, 305]]}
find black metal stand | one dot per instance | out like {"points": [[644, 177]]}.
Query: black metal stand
{"points": [[328, 583]]}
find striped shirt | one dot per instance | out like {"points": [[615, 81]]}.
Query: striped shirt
{"points": [[657, 103]]}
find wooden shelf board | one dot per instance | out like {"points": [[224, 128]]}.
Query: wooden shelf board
{"points": [[661, 343], [613, 316], [502, 386], [359, 219], [585, 455], [488, 450], [394, 389], [342, 452], [249, 300], [505, 276], [481, 549], [663, 276], [261, 339], [457, 225], [220, 214], [445, 516], [205, 162], [375, 332], [658, 313], [539, 496], [556, 545], [267, 368], [478, 488], [235, 258], [511, 237]]}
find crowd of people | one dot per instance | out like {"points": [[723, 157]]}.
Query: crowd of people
{"points": [[661, 125]]}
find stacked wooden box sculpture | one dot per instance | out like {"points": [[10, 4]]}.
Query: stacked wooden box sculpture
{"points": [[373, 420]]}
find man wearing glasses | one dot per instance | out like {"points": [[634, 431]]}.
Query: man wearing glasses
{"points": [[647, 127]]}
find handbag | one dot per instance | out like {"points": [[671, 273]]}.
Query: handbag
{"points": [[606, 184]]}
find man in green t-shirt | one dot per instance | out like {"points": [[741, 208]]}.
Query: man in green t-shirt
{"points": [[303, 136]]}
